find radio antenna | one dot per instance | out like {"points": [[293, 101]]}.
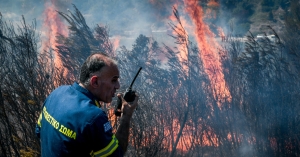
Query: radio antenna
{"points": [[135, 77]]}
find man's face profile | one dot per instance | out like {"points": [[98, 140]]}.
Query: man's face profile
{"points": [[108, 83]]}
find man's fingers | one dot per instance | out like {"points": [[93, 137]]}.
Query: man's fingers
{"points": [[120, 95], [119, 110]]}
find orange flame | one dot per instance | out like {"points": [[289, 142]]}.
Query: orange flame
{"points": [[116, 42], [213, 4], [209, 51], [208, 137], [221, 32], [52, 26]]}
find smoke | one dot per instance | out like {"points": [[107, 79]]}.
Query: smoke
{"points": [[12, 11], [52, 26], [126, 19], [246, 150]]}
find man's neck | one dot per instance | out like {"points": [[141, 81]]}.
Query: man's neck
{"points": [[80, 84]]}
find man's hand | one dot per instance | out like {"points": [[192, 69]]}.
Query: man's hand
{"points": [[128, 107], [127, 110]]}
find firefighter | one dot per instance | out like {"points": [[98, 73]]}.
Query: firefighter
{"points": [[72, 123]]}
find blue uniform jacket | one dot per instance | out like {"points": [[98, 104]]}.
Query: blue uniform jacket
{"points": [[72, 124]]}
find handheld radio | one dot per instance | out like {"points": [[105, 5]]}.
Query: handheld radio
{"points": [[129, 95]]}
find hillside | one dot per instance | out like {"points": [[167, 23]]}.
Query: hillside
{"points": [[261, 19], [255, 15]]}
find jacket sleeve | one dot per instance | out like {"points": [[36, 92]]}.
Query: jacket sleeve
{"points": [[102, 141]]}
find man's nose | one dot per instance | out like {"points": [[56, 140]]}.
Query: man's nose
{"points": [[117, 85]]}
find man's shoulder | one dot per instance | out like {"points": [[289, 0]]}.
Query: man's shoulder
{"points": [[60, 90], [99, 122], [96, 115], [67, 102]]}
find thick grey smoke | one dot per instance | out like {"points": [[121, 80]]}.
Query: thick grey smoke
{"points": [[127, 19]]}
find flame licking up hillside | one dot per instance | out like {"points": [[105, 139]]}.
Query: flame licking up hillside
{"points": [[209, 54], [52, 26], [209, 50], [207, 44]]}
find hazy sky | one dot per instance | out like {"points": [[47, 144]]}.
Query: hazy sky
{"points": [[115, 13], [130, 17]]}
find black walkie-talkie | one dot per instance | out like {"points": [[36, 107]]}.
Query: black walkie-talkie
{"points": [[128, 96]]}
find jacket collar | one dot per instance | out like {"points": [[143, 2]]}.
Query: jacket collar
{"points": [[79, 88]]}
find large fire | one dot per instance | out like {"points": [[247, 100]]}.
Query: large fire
{"points": [[209, 54], [209, 50], [52, 25]]}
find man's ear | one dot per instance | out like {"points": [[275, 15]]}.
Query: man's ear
{"points": [[94, 81]]}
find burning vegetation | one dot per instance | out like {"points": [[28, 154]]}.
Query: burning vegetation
{"points": [[203, 98]]}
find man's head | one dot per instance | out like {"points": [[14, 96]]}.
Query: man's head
{"points": [[100, 75]]}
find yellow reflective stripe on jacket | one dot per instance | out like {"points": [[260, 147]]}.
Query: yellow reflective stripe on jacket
{"points": [[97, 103], [108, 150], [40, 119], [92, 153]]}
